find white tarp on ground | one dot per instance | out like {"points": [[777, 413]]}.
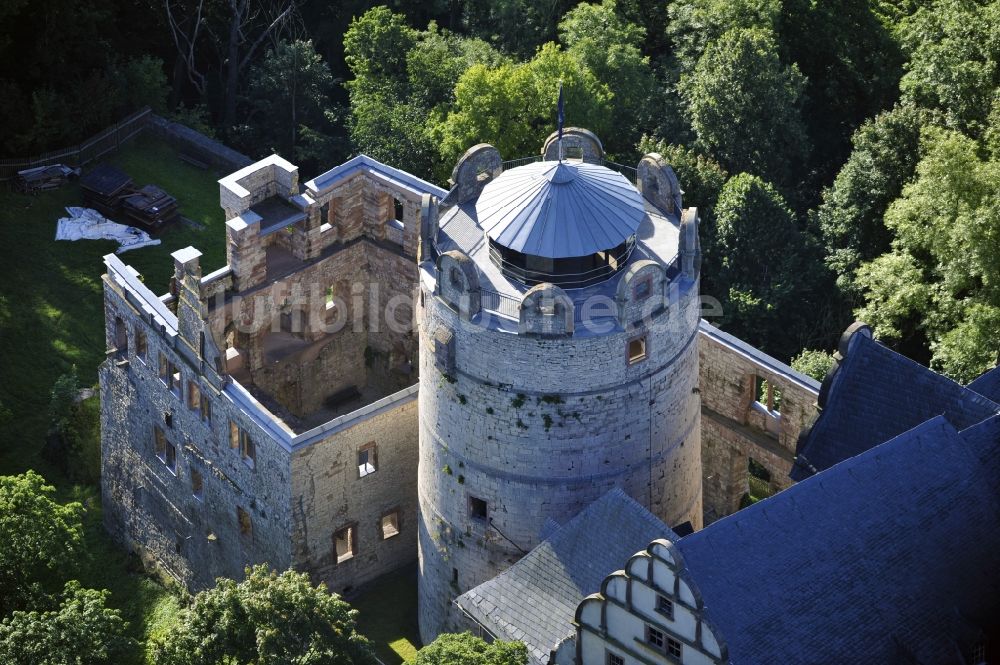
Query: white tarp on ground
{"points": [[88, 224]]}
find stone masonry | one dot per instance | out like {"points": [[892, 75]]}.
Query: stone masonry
{"points": [[268, 411]]}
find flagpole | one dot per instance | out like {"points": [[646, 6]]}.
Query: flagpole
{"points": [[560, 118]]}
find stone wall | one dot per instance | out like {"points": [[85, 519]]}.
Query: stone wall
{"points": [[329, 493], [196, 144], [540, 427], [152, 508], [365, 340], [734, 427]]}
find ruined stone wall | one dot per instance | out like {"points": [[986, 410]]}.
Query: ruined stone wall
{"points": [[152, 508], [363, 206], [734, 429], [367, 340], [539, 428], [329, 493]]}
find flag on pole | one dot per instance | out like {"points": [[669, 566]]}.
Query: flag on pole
{"points": [[560, 119]]}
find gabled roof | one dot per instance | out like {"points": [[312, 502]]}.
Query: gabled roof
{"points": [[535, 600], [988, 384], [875, 394], [365, 164], [895, 551], [560, 209]]}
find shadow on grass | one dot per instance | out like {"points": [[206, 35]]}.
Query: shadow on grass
{"points": [[388, 615], [52, 317]]}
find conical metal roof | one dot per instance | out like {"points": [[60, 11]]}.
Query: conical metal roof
{"points": [[560, 209]]}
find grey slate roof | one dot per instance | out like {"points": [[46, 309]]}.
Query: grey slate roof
{"points": [[535, 600], [367, 164], [560, 209], [877, 394], [875, 560]]}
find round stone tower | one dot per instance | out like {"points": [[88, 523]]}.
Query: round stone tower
{"points": [[558, 357]]}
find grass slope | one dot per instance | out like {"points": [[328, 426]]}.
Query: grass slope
{"points": [[51, 317]]}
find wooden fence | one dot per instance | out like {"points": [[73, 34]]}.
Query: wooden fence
{"points": [[105, 141]]}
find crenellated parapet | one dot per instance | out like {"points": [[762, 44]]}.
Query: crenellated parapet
{"points": [[641, 293], [474, 170], [458, 285], [577, 143], [546, 311], [658, 183]]}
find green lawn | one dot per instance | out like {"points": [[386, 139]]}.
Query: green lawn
{"points": [[388, 616], [51, 317]]}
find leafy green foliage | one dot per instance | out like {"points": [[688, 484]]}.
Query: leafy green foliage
{"points": [[438, 59], [289, 96], [514, 26], [63, 399], [82, 630], [814, 363], [268, 619], [513, 107], [942, 276], [695, 24], [610, 48], [375, 48], [41, 541], [768, 272], [953, 50], [886, 150], [466, 649], [744, 105]]}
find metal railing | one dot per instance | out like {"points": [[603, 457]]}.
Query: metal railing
{"points": [[500, 303], [566, 280], [514, 163], [105, 141], [629, 172]]}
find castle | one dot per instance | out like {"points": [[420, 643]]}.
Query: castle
{"points": [[385, 369]]}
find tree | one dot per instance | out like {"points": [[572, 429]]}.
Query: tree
{"points": [[513, 26], [466, 649], [237, 29], [386, 122], [886, 151], [768, 275], [438, 59], [610, 47], [82, 630], [142, 83], [953, 54], [695, 24], [267, 619], [702, 180], [513, 107], [813, 363], [41, 541], [941, 281], [289, 97], [852, 66], [375, 48], [744, 106]]}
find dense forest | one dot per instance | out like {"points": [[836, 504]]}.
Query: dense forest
{"points": [[843, 155]]}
